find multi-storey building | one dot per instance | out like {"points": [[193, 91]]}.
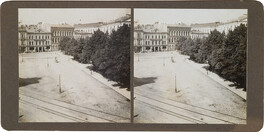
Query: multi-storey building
{"points": [[159, 37], [175, 32], [22, 39], [203, 29], [58, 32], [86, 30], [33, 39], [139, 39], [198, 34], [151, 38]]}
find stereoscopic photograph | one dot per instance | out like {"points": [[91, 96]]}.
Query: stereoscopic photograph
{"points": [[190, 66], [74, 64]]}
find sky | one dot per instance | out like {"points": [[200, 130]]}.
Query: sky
{"points": [[187, 16], [69, 15]]}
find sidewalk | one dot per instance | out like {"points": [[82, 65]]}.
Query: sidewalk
{"points": [[217, 78], [96, 75]]}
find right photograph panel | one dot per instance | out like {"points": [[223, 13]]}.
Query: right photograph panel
{"points": [[190, 66]]}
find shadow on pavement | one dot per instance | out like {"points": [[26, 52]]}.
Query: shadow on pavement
{"points": [[143, 81], [28, 81]]}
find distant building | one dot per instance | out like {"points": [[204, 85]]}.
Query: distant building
{"points": [[86, 30], [22, 39], [198, 34], [159, 37], [151, 38], [139, 39], [203, 29], [175, 32], [33, 39], [58, 32], [164, 37]]}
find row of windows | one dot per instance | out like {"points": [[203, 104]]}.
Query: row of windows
{"points": [[155, 42], [56, 40], [155, 36], [172, 40], [179, 33], [23, 35], [39, 37], [62, 33], [39, 42]]}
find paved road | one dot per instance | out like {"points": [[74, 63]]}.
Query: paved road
{"points": [[200, 99], [83, 98]]}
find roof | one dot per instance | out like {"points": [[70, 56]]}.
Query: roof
{"points": [[211, 24], [81, 33], [98, 24], [64, 25], [88, 25], [155, 28], [178, 25], [32, 29], [198, 32], [214, 24]]}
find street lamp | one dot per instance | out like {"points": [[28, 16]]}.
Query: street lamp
{"points": [[175, 85], [207, 68], [60, 84], [163, 61], [138, 56], [22, 56], [91, 69]]}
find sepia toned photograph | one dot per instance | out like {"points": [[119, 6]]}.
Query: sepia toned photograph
{"points": [[190, 66], [74, 64]]}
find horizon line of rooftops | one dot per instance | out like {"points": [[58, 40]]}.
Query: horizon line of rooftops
{"points": [[182, 24], [92, 24]]}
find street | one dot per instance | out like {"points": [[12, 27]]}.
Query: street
{"points": [[168, 89], [55, 88]]}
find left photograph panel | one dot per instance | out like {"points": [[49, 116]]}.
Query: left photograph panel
{"points": [[74, 64]]}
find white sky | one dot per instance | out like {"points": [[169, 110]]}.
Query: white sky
{"points": [[69, 15], [187, 16]]}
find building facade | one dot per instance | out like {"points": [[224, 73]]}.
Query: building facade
{"points": [[159, 37], [198, 34], [150, 38], [203, 29], [175, 32], [58, 32], [164, 37], [33, 39], [22, 39]]}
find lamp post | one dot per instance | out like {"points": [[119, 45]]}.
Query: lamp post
{"points": [[163, 61], [60, 84], [47, 62], [138, 57], [91, 69], [207, 68], [176, 91], [22, 56]]}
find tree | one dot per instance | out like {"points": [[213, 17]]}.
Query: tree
{"points": [[235, 56], [216, 39], [78, 47], [91, 45], [99, 56], [180, 43], [119, 56], [63, 42]]}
